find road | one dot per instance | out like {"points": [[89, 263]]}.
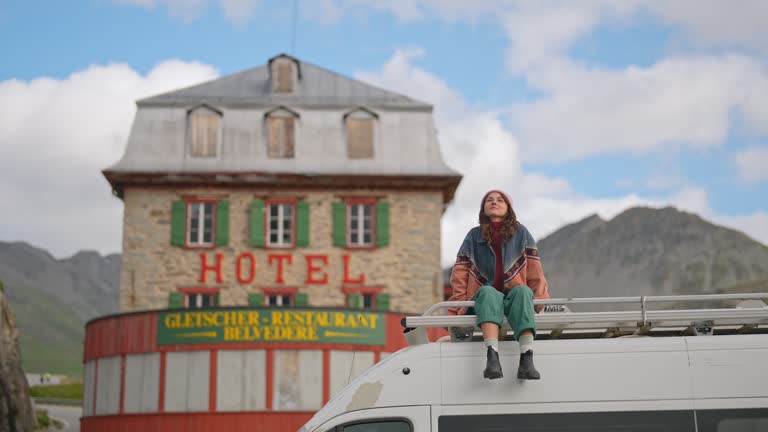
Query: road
{"points": [[69, 415]]}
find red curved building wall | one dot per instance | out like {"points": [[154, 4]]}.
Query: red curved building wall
{"points": [[118, 336]]}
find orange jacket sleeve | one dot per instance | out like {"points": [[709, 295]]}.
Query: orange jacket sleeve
{"points": [[459, 282], [536, 280]]}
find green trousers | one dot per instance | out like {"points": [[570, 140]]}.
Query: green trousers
{"points": [[517, 306]]}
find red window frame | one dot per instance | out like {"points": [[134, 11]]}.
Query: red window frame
{"points": [[348, 230], [198, 290], [283, 291], [267, 216], [192, 200]]}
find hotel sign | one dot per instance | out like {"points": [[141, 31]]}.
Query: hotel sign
{"points": [[270, 325]]}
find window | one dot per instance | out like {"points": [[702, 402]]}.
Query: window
{"points": [[281, 224], [733, 420], [359, 128], [360, 231], [281, 296], [281, 125], [200, 223], [199, 300], [194, 298], [204, 131], [369, 301], [625, 421], [366, 297], [278, 300], [284, 73], [284, 82], [360, 223], [378, 426]]}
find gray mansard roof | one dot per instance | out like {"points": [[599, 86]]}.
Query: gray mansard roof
{"points": [[405, 141], [317, 88]]}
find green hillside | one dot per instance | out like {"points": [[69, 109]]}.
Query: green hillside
{"points": [[50, 333]]}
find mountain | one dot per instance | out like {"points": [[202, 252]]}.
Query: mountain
{"points": [[646, 251], [53, 298]]}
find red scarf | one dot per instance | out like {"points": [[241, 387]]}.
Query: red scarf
{"points": [[498, 282]]}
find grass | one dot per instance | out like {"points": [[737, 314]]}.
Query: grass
{"points": [[58, 391], [44, 422]]}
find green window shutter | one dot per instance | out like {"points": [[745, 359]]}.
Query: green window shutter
{"points": [[255, 299], [302, 224], [257, 223], [340, 224], [354, 300], [301, 299], [222, 223], [178, 222], [216, 299], [176, 300], [382, 301], [382, 224]]}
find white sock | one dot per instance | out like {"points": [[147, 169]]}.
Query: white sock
{"points": [[526, 343], [493, 343]]}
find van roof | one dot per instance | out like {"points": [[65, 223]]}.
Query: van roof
{"points": [[576, 374], [586, 359]]}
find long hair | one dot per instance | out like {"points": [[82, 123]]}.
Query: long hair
{"points": [[508, 225]]}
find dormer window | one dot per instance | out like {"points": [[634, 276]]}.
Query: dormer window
{"points": [[360, 125], [281, 129], [285, 73], [284, 82], [204, 126]]}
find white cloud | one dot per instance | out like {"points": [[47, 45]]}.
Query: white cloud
{"points": [[755, 225], [239, 12], [681, 100], [398, 73], [539, 32], [57, 135], [409, 10], [147, 4], [718, 23], [185, 10], [752, 164], [548, 26], [678, 101]]}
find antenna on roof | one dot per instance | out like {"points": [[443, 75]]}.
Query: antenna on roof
{"points": [[293, 29]]}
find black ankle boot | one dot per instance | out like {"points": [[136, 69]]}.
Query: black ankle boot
{"points": [[492, 365], [527, 370]]}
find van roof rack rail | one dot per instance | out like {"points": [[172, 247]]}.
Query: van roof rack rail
{"points": [[639, 321]]}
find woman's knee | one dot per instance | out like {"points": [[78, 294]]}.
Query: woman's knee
{"points": [[521, 290], [485, 291]]}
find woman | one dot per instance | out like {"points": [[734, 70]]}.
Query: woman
{"points": [[499, 268]]}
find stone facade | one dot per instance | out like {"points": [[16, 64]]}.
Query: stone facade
{"points": [[408, 268]]}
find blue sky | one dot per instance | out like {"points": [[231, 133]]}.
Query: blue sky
{"points": [[594, 106]]}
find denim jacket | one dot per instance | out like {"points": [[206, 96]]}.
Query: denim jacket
{"points": [[476, 266]]}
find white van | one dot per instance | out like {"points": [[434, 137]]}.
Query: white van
{"points": [[687, 370]]}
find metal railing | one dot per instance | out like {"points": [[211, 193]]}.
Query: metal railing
{"points": [[638, 321]]}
